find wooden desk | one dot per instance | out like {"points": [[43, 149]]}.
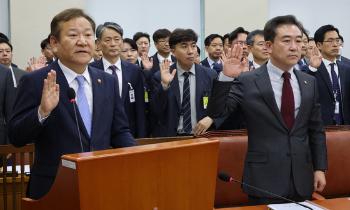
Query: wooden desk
{"points": [[331, 204]]}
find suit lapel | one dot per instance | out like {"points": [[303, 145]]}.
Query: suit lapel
{"points": [[125, 79], [264, 86], [303, 86], [342, 76], [200, 87], [326, 78], [176, 87], [97, 92]]}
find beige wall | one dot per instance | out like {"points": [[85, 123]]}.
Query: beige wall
{"points": [[30, 24], [223, 16]]}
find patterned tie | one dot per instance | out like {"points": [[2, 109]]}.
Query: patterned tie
{"points": [[186, 105], [83, 105], [114, 73], [337, 96], [287, 102], [217, 67]]}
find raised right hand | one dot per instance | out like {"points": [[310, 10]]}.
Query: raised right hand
{"points": [[165, 74], [50, 95], [233, 64]]}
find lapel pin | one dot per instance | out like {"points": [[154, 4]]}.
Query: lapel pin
{"points": [[99, 81], [305, 82]]}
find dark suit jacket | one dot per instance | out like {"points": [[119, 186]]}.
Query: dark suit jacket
{"points": [[326, 98], [5, 75], [166, 104], [136, 110], [205, 63], [58, 135], [275, 154]]}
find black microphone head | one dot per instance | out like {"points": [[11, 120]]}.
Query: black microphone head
{"points": [[224, 177], [71, 94]]}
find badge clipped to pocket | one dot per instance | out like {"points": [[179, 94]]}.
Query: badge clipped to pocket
{"points": [[146, 96], [205, 101], [131, 93]]}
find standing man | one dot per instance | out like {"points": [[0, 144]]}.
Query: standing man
{"points": [[214, 45], [143, 42], [131, 90], [5, 76], [181, 92], [333, 77], [256, 45], [286, 141], [44, 114]]}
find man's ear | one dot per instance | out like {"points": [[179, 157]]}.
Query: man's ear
{"points": [[269, 46]]}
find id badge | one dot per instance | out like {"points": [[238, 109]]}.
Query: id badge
{"points": [[205, 102], [131, 93], [336, 110], [146, 96]]}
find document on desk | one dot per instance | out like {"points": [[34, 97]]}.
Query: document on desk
{"points": [[293, 206]]}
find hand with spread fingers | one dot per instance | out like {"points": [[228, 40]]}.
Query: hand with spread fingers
{"points": [[234, 63], [202, 126], [50, 95], [165, 74], [315, 58], [146, 62]]}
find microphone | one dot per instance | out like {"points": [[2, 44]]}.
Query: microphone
{"points": [[227, 178], [71, 96]]}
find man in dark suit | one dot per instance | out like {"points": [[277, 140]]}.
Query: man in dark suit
{"points": [[131, 90], [46, 50], [15, 74], [333, 77], [43, 111], [5, 75], [214, 45], [286, 141], [181, 91]]}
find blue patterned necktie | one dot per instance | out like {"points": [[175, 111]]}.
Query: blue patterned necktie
{"points": [[186, 105], [83, 105], [217, 67], [337, 96]]}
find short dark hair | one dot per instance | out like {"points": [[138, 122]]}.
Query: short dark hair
{"points": [[226, 36], [132, 43], [211, 37], [234, 34], [138, 35], [198, 50], [6, 42], [67, 15], [111, 25], [251, 36], [320, 32], [44, 43], [341, 38], [272, 25], [311, 39], [3, 36], [182, 35], [161, 34]]}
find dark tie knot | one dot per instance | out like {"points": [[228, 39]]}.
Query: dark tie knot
{"points": [[286, 75], [332, 65], [186, 74], [113, 67]]}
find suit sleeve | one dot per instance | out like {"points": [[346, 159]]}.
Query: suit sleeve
{"points": [[159, 97], [24, 126], [225, 98], [121, 136], [317, 135]]}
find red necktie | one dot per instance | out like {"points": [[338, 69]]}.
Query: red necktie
{"points": [[287, 102]]}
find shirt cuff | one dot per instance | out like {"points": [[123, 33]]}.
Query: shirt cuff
{"points": [[224, 78], [41, 118], [313, 69]]}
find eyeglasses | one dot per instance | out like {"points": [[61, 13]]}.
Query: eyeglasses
{"points": [[162, 41], [334, 41], [142, 43]]}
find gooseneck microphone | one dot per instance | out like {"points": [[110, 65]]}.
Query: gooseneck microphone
{"points": [[71, 96], [227, 178]]}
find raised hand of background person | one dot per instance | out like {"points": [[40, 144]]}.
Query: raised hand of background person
{"points": [[315, 57], [35, 64], [165, 74], [146, 62]]}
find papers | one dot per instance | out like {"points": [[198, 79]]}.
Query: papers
{"points": [[18, 169], [293, 206]]}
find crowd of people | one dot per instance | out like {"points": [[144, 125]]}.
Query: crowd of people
{"points": [[278, 82]]}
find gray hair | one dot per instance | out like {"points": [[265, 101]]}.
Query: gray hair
{"points": [[110, 25]]}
